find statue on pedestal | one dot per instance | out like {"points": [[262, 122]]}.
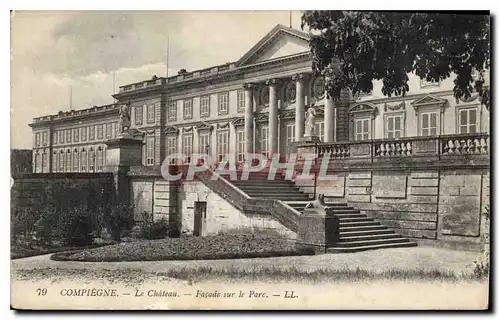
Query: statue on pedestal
{"points": [[310, 121], [124, 119], [318, 206]]}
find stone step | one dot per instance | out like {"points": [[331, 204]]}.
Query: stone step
{"points": [[351, 215], [355, 219], [359, 224], [268, 188], [262, 182], [366, 232], [369, 237], [360, 243], [343, 229], [370, 247], [279, 197]]}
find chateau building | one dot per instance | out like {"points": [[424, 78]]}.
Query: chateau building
{"points": [[256, 104]]}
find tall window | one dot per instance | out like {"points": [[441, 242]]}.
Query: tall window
{"points": [[172, 111], [171, 147], [44, 138], [394, 125], [61, 161], [99, 159], [61, 136], [83, 160], [319, 129], [92, 133], [264, 140], [290, 133], [54, 162], [188, 109], [467, 120], [68, 136], [223, 103], [151, 113], [204, 106], [203, 142], [362, 130], [83, 133], [45, 163], [109, 131], [222, 144], [68, 161], [36, 165], [150, 151], [76, 166], [187, 146], [100, 128], [138, 115], [76, 136], [241, 100], [37, 139], [428, 123], [92, 160], [240, 145]]}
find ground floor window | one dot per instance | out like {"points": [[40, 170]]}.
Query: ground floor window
{"points": [[240, 145], [75, 161], [362, 129], [83, 160], [467, 120], [222, 144], [99, 159], [150, 151], [264, 140], [394, 126], [319, 129], [187, 146], [429, 123], [171, 147], [203, 142]]}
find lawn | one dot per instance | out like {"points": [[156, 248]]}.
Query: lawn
{"points": [[227, 246], [18, 250]]}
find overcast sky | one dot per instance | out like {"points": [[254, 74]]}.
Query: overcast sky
{"points": [[53, 51]]}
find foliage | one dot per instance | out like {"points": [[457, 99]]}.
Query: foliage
{"points": [[118, 219], [191, 248], [351, 49], [481, 269], [23, 224], [153, 229]]}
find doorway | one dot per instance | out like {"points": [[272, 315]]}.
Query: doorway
{"points": [[200, 217]]}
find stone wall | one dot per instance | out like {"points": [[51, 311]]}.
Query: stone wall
{"points": [[221, 215]]}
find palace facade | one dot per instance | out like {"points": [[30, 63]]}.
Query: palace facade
{"points": [[253, 105]]}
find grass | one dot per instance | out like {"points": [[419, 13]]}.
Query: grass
{"points": [[223, 246], [266, 274], [18, 251]]}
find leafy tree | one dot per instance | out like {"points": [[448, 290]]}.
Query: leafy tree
{"points": [[351, 49]]}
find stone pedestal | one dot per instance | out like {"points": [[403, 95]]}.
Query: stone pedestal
{"points": [[317, 230], [310, 139], [121, 153]]}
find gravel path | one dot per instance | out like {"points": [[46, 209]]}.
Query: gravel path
{"points": [[378, 260]]}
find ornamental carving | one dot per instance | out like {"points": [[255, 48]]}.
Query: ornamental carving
{"points": [[395, 107], [204, 126], [290, 92], [318, 88]]}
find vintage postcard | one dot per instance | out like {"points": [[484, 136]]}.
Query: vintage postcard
{"points": [[250, 160]]}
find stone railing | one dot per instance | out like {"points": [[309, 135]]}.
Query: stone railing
{"points": [[438, 146]]}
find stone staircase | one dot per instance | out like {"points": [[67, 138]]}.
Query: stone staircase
{"points": [[358, 232]]}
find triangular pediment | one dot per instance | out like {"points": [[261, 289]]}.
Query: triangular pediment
{"points": [[428, 100], [280, 42], [171, 130]]}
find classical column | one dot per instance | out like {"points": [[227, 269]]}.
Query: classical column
{"points": [[273, 116], [329, 119], [248, 126], [299, 106]]}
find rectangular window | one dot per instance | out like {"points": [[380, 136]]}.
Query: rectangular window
{"points": [[83, 133], [45, 163], [319, 129], [83, 160], [172, 111], [428, 123], [150, 151], [99, 159], [187, 146], [138, 115], [54, 161], [188, 108], [290, 133], [223, 103], [68, 161], [100, 128], [37, 139], [68, 136], [151, 113], [467, 120], [61, 136], [61, 161], [92, 133], [205, 106], [171, 147], [109, 131], [55, 137], [240, 145], [222, 144], [264, 140], [91, 160], [76, 166], [204, 142], [362, 130], [76, 136], [241, 100], [44, 138], [394, 126]]}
